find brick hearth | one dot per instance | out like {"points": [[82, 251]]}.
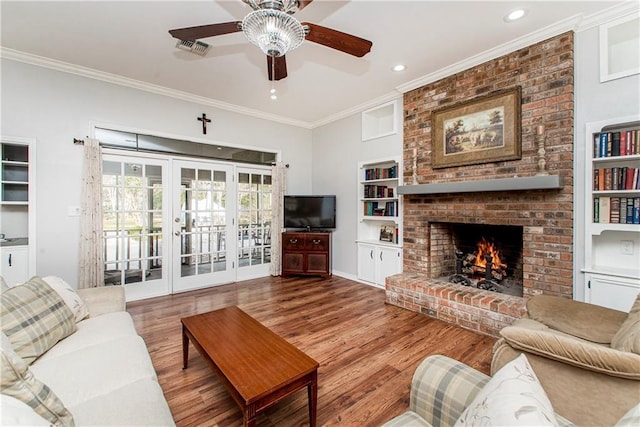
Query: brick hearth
{"points": [[544, 71]]}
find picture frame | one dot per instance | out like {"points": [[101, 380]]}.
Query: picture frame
{"points": [[483, 130], [387, 233]]}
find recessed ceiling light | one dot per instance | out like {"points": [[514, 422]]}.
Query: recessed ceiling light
{"points": [[514, 15], [399, 67]]}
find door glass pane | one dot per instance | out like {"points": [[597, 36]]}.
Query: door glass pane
{"points": [[203, 220], [132, 222], [254, 218]]}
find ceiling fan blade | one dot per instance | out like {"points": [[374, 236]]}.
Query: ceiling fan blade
{"points": [[204, 31], [338, 40], [280, 67]]}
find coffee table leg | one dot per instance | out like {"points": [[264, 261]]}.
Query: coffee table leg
{"points": [[250, 416], [185, 348], [312, 391]]}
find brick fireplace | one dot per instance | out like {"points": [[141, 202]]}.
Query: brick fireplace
{"points": [[544, 72]]}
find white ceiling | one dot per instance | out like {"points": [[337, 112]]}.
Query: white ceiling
{"points": [[130, 39]]}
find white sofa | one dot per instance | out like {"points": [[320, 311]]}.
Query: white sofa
{"points": [[102, 372]]}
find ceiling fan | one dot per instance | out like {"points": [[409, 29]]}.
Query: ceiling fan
{"points": [[272, 28]]}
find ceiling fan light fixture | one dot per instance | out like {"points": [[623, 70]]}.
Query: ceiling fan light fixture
{"points": [[273, 31]]}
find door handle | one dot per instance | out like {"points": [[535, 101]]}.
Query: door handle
{"points": [[380, 256], [10, 260], [371, 254], [177, 233]]}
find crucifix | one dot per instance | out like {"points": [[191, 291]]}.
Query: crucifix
{"points": [[204, 121]]}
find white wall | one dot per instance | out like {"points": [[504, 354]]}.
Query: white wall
{"points": [[55, 107], [594, 102], [337, 150]]}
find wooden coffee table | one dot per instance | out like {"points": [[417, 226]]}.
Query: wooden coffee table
{"points": [[257, 367]]}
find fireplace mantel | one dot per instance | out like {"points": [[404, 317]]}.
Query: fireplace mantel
{"points": [[538, 182]]}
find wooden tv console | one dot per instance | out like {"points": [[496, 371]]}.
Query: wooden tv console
{"points": [[306, 253]]}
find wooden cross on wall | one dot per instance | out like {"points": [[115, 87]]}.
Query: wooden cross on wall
{"points": [[204, 121]]}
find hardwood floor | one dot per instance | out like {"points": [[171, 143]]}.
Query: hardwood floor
{"points": [[367, 350]]}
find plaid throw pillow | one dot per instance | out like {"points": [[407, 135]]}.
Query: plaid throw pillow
{"points": [[18, 382], [35, 318]]}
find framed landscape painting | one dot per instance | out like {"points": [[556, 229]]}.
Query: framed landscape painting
{"points": [[482, 130]]}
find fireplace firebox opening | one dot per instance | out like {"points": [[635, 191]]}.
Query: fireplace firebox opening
{"points": [[488, 257]]}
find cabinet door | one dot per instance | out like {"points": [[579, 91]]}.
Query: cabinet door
{"points": [[367, 263], [293, 262], [14, 266], [317, 263], [390, 263], [615, 293]]}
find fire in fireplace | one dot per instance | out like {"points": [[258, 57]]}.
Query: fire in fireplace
{"points": [[483, 268], [486, 256]]}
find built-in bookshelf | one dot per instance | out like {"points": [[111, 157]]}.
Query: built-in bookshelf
{"points": [[612, 213], [17, 209], [616, 176], [14, 170], [379, 234]]}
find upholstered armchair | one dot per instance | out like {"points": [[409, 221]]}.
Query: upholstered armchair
{"points": [[586, 357]]}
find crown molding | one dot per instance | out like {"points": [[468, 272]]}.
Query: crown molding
{"points": [[614, 12], [91, 73], [545, 33]]}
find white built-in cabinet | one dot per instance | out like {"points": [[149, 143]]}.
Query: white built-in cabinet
{"points": [[17, 209], [377, 262], [379, 233], [612, 232], [15, 264]]}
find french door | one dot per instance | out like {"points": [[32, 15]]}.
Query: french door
{"points": [[203, 228], [134, 224], [254, 214], [173, 225]]}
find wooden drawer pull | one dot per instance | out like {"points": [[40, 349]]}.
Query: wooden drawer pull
{"points": [[293, 241], [316, 241]]}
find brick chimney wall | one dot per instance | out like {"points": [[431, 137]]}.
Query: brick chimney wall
{"points": [[544, 71]]}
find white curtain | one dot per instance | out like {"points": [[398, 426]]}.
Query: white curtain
{"points": [[91, 272], [278, 189]]}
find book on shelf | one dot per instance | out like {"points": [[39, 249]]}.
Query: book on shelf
{"points": [[605, 207], [379, 209], [620, 143], [388, 233], [381, 173], [377, 191], [616, 178], [616, 210]]}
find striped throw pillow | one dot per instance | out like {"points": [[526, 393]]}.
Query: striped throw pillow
{"points": [[19, 382], [35, 318]]}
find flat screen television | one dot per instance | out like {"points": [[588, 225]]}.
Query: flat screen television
{"points": [[310, 212]]}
